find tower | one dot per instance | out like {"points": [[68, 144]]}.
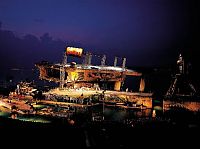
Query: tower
{"points": [[181, 65], [180, 86]]}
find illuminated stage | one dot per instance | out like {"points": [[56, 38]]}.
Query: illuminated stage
{"points": [[80, 86], [80, 81], [72, 75]]}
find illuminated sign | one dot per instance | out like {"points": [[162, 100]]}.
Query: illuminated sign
{"points": [[74, 51]]}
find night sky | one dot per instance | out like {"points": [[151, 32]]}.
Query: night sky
{"points": [[147, 32]]}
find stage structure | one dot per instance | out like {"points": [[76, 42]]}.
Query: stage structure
{"points": [[73, 75]]}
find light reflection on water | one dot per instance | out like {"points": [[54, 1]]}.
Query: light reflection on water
{"points": [[120, 114], [39, 106], [25, 118], [109, 113], [4, 114], [34, 119]]}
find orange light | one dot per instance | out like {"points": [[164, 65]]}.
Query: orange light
{"points": [[74, 51]]}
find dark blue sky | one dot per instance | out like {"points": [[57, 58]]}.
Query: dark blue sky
{"points": [[147, 32]]}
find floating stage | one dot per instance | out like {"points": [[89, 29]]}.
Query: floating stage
{"points": [[129, 99], [78, 82], [80, 86]]}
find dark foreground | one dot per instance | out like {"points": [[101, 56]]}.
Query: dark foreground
{"points": [[95, 134]]}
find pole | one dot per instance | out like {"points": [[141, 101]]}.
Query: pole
{"points": [[103, 98], [62, 71], [115, 62]]}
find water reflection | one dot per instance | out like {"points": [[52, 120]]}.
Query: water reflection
{"points": [[119, 114], [4, 114], [175, 116]]}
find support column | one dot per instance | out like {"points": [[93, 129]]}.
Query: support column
{"points": [[103, 60], [115, 62], [62, 71], [117, 85], [124, 63]]}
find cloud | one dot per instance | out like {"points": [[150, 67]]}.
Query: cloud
{"points": [[17, 52]]}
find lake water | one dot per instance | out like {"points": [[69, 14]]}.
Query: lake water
{"points": [[176, 117]]}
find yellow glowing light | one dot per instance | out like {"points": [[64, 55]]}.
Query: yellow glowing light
{"points": [[73, 76]]}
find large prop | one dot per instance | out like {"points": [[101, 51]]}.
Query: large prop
{"points": [[74, 51]]}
